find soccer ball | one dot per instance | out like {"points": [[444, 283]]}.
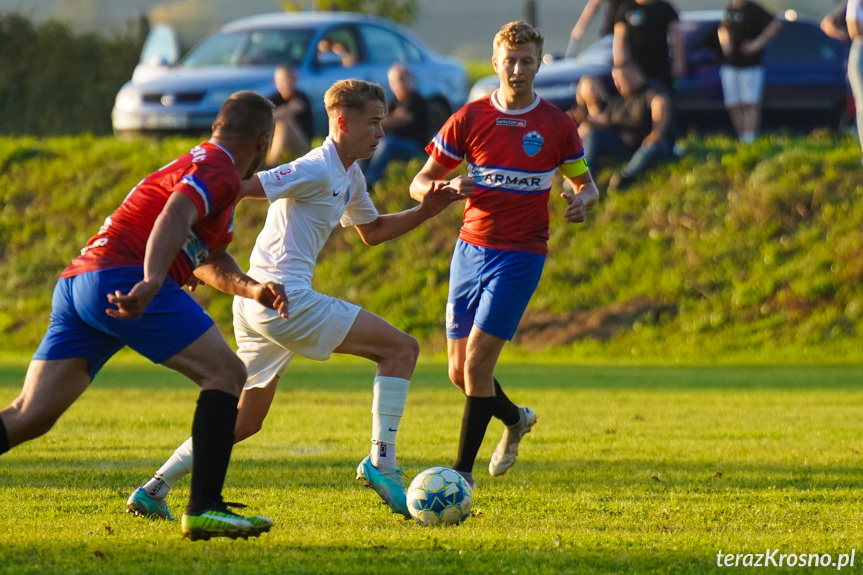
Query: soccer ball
{"points": [[439, 495]]}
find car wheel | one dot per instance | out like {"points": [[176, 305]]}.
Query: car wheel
{"points": [[439, 112]]}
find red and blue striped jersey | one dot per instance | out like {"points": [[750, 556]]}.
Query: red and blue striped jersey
{"points": [[512, 155], [207, 176]]}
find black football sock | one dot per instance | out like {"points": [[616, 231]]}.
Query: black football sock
{"points": [[504, 408], [4, 438], [474, 422], [213, 438]]}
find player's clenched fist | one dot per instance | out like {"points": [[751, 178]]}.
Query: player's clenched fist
{"points": [[272, 295], [576, 208], [463, 185]]}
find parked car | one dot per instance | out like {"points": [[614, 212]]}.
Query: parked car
{"points": [[168, 97], [805, 82]]}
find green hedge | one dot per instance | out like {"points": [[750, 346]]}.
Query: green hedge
{"points": [[55, 82]]}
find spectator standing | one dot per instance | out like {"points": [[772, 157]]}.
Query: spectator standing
{"points": [[294, 125], [405, 126], [611, 9], [854, 19], [635, 127], [745, 30], [641, 33]]}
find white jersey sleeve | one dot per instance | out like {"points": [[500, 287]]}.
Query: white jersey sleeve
{"points": [[360, 209], [854, 11], [301, 179]]}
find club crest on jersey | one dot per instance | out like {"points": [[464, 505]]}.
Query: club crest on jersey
{"points": [[532, 143]]}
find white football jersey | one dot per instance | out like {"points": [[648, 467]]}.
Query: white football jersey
{"points": [[308, 197]]}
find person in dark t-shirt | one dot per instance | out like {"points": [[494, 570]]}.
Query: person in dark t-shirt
{"points": [[611, 9], [745, 30], [405, 126], [634, 126], [642, 30], [293, 116]]}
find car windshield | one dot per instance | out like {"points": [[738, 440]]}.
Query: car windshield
{"points": [[267, 47]]}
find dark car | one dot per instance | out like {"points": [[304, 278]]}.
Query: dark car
{"points": [[805, 82]]}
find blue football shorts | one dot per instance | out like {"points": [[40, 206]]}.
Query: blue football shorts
{"points": [[80, 327], [489, 288]]}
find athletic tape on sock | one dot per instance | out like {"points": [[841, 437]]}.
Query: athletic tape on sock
{"points": [[388, 406], [391, 394]]}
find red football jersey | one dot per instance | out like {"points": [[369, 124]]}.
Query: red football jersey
{"points": [[207, 176], [512, 155]]}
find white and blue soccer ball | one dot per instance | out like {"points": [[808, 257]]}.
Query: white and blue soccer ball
{"points": [[439, 496]]}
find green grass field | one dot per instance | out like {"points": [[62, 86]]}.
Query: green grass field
{"points": [[644, 469]]}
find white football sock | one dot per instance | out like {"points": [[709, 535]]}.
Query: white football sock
{"points": [[178, 466], [388, 406]]}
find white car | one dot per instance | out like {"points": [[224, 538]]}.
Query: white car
{"points": [[170, 96]]}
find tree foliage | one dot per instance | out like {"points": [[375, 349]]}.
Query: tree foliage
{"points": [[55, 82]]}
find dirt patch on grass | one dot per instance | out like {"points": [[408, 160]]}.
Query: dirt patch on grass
{"points": [[540, 329]]}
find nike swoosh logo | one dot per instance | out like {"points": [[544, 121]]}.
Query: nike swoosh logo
{"points": [[391, 429], [236, 521], [336, 193]]}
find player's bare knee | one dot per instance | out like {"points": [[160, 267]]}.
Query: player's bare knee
{"points": [[456, 376], [405, 351], [410, 349], [229, 376]]}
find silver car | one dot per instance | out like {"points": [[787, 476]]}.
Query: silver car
{"points": [[322, 47]]}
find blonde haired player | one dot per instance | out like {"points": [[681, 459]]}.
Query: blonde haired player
{"points": [[513, 141], [308, 198]]}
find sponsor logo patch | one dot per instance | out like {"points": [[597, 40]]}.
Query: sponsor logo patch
{"points": [[511, 122]]}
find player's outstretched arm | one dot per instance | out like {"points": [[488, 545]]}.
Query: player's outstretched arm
{"points": [[222, 272], [435, 172], [581, 200], [390, 226], [251, 189], [167, 237]]}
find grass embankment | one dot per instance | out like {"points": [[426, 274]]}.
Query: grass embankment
{"points": [[731, 253], [630, 470]]}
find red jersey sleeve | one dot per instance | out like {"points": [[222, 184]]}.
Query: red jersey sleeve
{"points": [[447, 147], [211, 185]]}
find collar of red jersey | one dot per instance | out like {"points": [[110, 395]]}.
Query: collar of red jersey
{"points": [[496, 104], [224, 150]]}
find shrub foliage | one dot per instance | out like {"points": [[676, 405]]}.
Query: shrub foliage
{"points": [[53, 81]]}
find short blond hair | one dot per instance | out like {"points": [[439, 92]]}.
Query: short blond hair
{"points": [[516, 33], [353, 95]]}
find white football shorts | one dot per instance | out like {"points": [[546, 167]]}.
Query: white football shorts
{"points": [[266, 343], [741, 85]]}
